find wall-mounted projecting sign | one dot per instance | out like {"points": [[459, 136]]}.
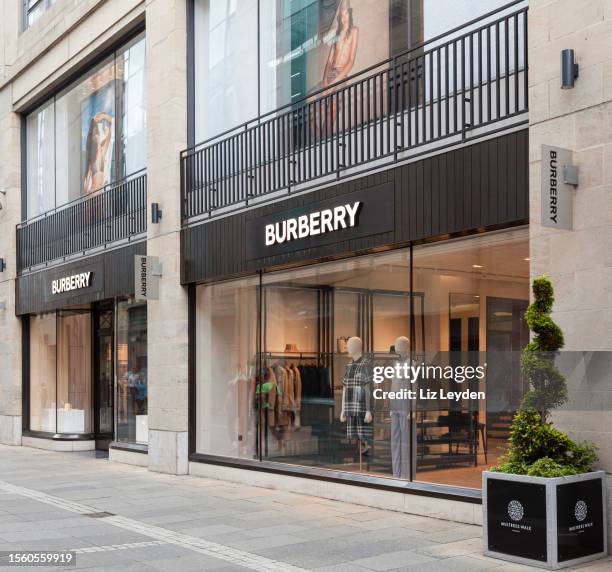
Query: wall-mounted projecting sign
{"points": [[556, 192], [146, 276]]}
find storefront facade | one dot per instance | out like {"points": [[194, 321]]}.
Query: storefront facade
{"points": [[85, 358], [84, 335], [326, 170], [382, 257]]}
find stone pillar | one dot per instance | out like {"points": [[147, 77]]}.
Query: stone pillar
{"points": [[10, 325], [579, 261], [166, 45]]}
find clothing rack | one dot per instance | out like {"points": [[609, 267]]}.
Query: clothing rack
{"points": [[295, 355]]}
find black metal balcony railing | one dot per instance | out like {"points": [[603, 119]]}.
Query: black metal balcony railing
{"points": [[452, 88], [115, 212]]}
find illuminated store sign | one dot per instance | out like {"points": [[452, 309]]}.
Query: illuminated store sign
{"points": [[315, 224], [69, 283], [318, 222]]}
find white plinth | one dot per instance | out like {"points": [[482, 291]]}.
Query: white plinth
{"points": [[70, 421], [142, 428]]}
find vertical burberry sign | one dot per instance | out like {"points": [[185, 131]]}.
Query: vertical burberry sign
{"points": [[556, 194], [146, 280]]}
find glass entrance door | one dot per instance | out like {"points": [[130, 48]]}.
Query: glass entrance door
{"points": [[103, 371]]}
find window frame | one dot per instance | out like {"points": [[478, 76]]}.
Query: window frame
{"points": [[79, 74], [29, 6]]}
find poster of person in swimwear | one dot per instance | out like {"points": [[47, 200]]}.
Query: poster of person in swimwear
{"points": [[354, 38], [98, 137]]}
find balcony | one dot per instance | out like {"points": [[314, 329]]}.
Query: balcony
{"points": [[469, 83], [110, 216]]}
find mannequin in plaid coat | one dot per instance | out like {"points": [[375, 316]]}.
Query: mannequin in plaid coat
{"points": [[356, 395]]}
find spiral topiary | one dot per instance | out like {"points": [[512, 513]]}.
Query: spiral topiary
{"points": [[548, 388], [536, 448]]}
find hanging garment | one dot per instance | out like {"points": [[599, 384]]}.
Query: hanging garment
{"points": [[267, 390], [306, 380], [297, 387], [324, 382], [288, 391]]}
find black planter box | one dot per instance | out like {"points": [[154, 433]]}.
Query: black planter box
{"points": [[552, 523]]}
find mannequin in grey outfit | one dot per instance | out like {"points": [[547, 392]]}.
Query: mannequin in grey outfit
{"points": [[400, 418]]}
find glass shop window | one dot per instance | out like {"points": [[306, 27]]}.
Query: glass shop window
{"points": [[286, 364], [91, 134], [131, 374], [60, 373]]}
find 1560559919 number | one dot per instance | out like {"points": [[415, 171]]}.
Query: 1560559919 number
{"points": [[37, 558]]}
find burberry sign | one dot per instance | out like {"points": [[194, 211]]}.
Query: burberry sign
{"points": [[556, 202], [69, 283], [316, 224]]}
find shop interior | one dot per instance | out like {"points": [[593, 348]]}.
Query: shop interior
{"points": [[281, 352], [79, 353]]}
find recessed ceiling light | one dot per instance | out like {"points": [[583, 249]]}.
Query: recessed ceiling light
{"points": [[527, 259], [477, 266]]}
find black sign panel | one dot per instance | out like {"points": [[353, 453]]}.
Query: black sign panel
{"points": [[374, 214], [95, 281], [516, 514], [580, 526]]}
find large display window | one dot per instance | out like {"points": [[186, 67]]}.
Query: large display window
{"points": [[88, 372], [90, 134], [286, 361], [252, 57], [131, 359], [61, 375]]}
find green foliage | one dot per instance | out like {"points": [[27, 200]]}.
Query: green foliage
{"points": [[548, 388], [546, 467], [536, 448]]}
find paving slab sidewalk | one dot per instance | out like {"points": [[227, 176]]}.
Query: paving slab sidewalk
{"points": [[125, 518]]}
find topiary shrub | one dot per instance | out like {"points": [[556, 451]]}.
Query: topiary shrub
{"points": [[536, 448], [532, 440], [547, 384]]}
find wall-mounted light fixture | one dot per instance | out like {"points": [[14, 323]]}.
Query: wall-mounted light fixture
{"points": [[2, 265], [569, 69], [156, 213]]}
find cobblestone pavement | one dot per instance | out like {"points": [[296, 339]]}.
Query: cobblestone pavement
{"points": [[118, 517]]}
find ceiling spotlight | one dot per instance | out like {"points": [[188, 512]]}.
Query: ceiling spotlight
{"points": [[527, 259], [477, 266]]}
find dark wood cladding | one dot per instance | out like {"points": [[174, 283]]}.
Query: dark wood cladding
{"points": [[118, 272], [476, 187]]}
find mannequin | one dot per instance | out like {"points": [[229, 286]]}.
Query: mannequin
{"points": [[400, 410], [356, 392]]}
